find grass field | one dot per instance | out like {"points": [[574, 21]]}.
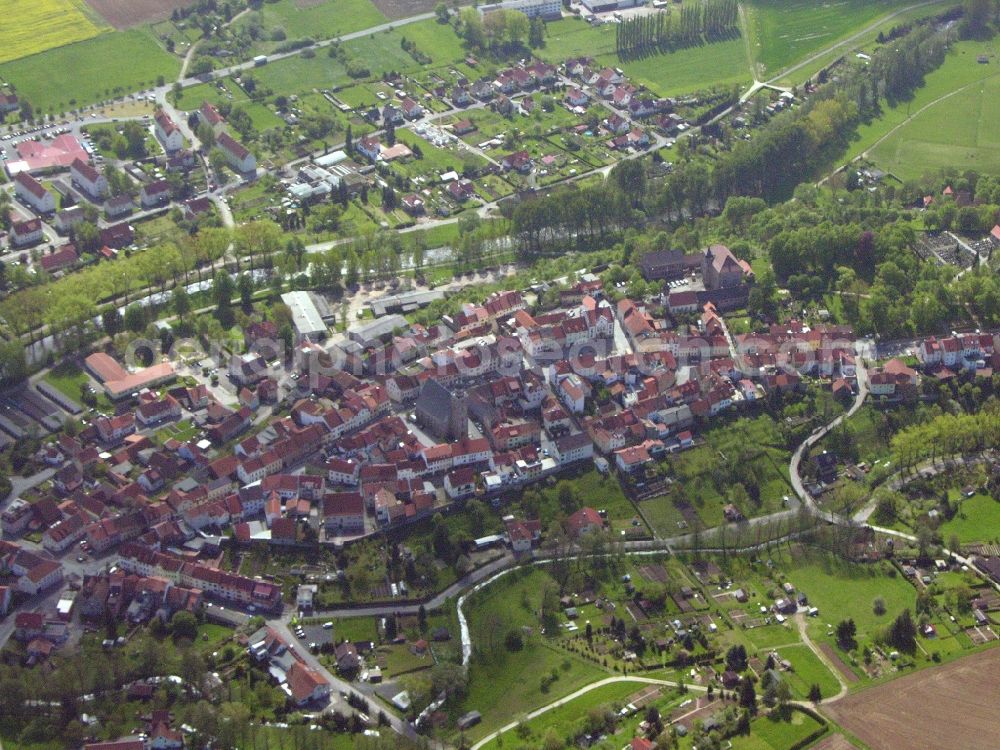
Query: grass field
{"points": [[782, 32], [38, 25], [90, 71], [929, 136], [807, 670], [767, 733], [978, 520], [320, 20], [567, 719]]}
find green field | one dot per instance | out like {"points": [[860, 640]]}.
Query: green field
{"points": [[782, 32], [770, 733], [807, 670], [82, 73], [978, 520], [566, 720], [924, 134], [320, 20]]}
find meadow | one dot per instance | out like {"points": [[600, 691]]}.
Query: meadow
{"points": [[89, 71], [320, 20], [978, 520], [783, 32], [32, 27], [923, 134]]}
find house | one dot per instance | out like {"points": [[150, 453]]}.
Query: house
{"points": [[463, 127], [519, 161], [721, 269], [31, 192], [577, 97], [154, 194], [346, 656], [461, 190], [88, 179], [460, 483], [305, 685], [209, 115], [69, 218], [240, 159], [369, 147], [412, 110], [119, 205], [59, 260], [167, 132], [344, 512], [460, 97], [584, 521], [9, 103], [413, 204], [117, 236], [27, 232]]}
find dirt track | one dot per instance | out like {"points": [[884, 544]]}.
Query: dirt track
{"points": [[947, 707], [124, 14]]}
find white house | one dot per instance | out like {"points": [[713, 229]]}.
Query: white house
{"points": [[30, 191], [88, 179], [167, 132], [238, 156]]}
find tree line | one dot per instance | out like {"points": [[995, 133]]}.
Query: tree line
{"points": [[651, 34]]}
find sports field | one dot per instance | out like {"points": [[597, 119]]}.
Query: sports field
{"points": [[31, 26], [82, 73]]}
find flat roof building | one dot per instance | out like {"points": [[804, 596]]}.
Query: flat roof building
{"points": [[305, 316]]}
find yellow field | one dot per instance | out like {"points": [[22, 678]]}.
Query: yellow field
{"points": [[30, 26]]}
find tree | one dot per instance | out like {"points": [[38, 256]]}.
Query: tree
{"points": [[206, 136], [111, 321], [536, 33], [748, 696], [736, 658], [846, 630], [903, 633], [135, 317], [878, 606], [442, 13], [514, 641], [422, 618], [245, 286], [815, 695], [184, 625], [182, 302]]}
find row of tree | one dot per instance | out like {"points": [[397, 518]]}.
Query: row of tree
{"points": [[650, 34]]}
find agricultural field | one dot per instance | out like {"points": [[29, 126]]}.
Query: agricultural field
{"points": [[33, 27], [920, 710], [89, 71], [320, 19], [782, 32], [124, 14]]}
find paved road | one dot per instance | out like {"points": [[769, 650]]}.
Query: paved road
{"points": [[361, 690]]}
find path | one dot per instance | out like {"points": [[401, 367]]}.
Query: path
{"points": [[573, 696], [800, 621]]}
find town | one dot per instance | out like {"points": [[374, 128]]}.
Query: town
{"points": [[600, 374]]}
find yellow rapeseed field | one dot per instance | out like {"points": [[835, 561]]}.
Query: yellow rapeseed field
{"points": [[30, 26]]}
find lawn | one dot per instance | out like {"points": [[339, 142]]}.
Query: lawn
{"points": [[506, 684], [297, 74], [770, 733], [978, 520], [844, 590], [686, 70], [68, 379], [567, 720], [260, 115], [39, 25], [320, 20], [786, 31], [807, 670], [90, 71]]}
